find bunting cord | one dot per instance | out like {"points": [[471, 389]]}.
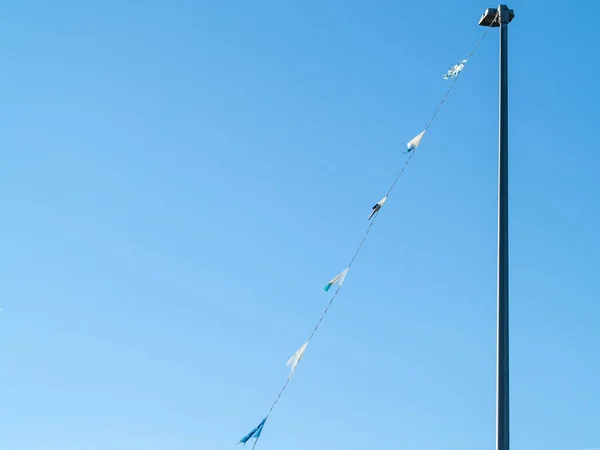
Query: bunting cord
{"points": [[372, 222], [440, 105], [321, 318]]}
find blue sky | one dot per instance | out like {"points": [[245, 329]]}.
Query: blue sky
{"points": [[180, 179]]}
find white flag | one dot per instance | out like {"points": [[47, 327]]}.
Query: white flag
{"points": [[377, 207], [338, 279], [414, 142], [295, 359], [455, 70]]}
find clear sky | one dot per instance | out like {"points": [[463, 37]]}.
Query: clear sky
{"points": [[180, 179]]}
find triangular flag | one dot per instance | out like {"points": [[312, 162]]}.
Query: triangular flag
{"points": [[455, 70], [414, 142], [377, 207], [254, 433], [338, 279], [296, 357]]}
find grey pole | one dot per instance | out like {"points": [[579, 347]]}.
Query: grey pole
{"points": [[502, 382], [502, 17]]}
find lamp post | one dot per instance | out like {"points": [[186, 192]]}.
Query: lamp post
{"points": [[501, 17]]}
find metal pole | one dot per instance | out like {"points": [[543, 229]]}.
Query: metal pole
{"points": [[502, 380]]}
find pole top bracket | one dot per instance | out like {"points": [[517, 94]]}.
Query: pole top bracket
{"points": [[493, 17]]}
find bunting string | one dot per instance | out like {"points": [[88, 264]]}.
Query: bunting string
{"points": [[412, 145]]}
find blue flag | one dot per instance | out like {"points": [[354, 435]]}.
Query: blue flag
{"points": [[254, 433]]}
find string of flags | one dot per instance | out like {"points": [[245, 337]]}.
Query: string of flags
{"points": [[453, 73]]}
